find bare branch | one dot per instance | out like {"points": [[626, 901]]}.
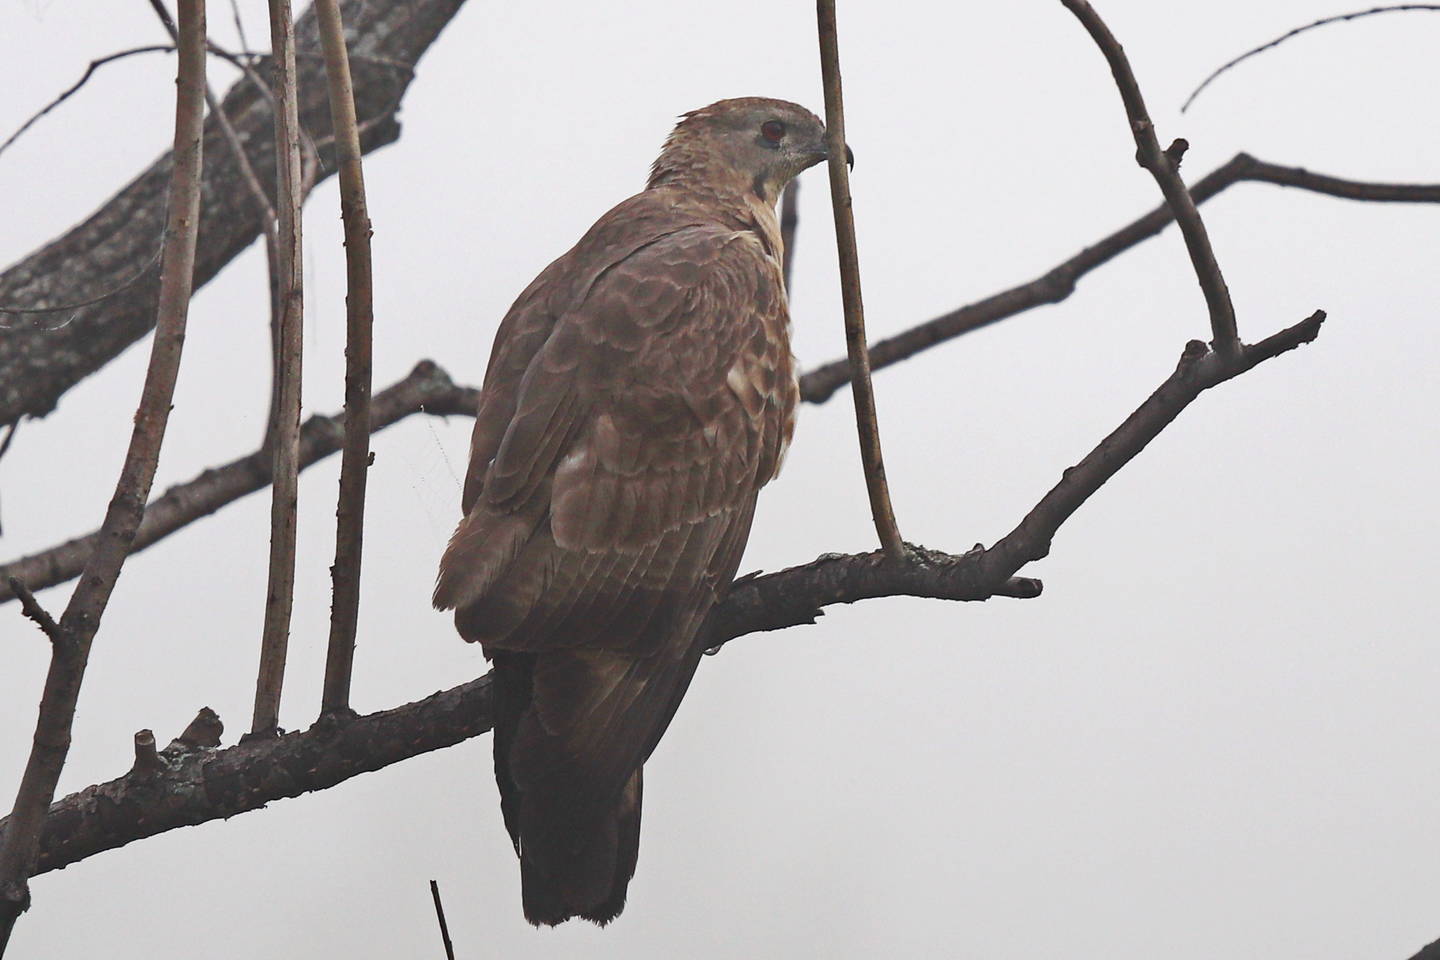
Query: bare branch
{"points": [[426, 389], [866, 421], [1167, 175], [440, 916], [1395, 8], [283, 433], [359, 317], [71, 649], [32, 608], [37, 364], [258, 771], [207, 785], [1058, 283], [1198, 370], [75, 87]]}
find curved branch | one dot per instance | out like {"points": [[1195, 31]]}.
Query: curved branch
{"points": [[1058, 283], [39, 363], [427, 388], [1356, 15]]}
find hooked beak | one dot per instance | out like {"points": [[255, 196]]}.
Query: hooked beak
{"points": [[849, 156]]}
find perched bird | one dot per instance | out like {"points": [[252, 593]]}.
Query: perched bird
{"points": [[640, 393]]}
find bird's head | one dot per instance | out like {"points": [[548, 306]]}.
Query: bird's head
{"points": [[750, 143]]}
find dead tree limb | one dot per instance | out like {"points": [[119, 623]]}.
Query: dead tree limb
{"points": [[287, 329], [867, 421], [1164, 166], [359, 319], [1324, 21], [75, 632], [203, 785], [38, 364]]}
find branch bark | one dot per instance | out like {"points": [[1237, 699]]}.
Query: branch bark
{"points": [[38, 362], [196, 786], [426, 389], [359, 318], [70, 651], [283, 432], [1164, 166], [867, 422]]}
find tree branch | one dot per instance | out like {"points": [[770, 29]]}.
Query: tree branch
{"points": [[359, 318], [1355, 15], [32, 608], [426, 389], [38, 364], [282, 434], [71, 650], [1058, 283], [867, 423], [212, 785], [1164, 166], [202, 785]]}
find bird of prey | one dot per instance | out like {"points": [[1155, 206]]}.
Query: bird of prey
{"points": [[640, 393]]}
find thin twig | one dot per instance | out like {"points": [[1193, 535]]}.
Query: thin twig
{"points": [[239, 24], [866, 421], [1150, 156], [283, 434], [75, 87], [70, 653], [440, 916], [1396, 8], [359, 309], [92, 301], [32, 608]]}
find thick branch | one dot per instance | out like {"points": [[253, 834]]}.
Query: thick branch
{"points": [[1058, 283], [38, 362], [198, 786], [427, 388]]}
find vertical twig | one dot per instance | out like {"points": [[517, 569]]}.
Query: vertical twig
{"points": [[359, 309], [1165, 168], [865, 418], [789, 223], [283, 435], [440, 915], [77, 626]]}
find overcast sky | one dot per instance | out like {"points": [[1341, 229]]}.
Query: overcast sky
{"points": [[1213, 736]]}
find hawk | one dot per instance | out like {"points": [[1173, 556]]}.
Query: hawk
{"points": [[640, 393]]}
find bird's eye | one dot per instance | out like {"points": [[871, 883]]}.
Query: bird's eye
{"points": [[773, 130]]}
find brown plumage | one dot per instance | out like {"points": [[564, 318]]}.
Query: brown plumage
{"points": [[640, 393]]}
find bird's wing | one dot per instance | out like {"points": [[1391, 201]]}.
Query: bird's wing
{"points": [[658, 398]]}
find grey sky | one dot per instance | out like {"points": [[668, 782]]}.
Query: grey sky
{"points": [[1215, 731]]}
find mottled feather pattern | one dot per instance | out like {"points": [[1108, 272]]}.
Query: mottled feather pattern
{"points": [[640, 392]]}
